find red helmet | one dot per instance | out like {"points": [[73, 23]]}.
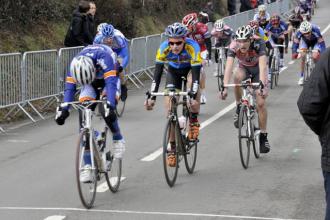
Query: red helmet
{"points": [[190, 20], [254, 24]]}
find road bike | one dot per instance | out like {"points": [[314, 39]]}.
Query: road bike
{"points": [[184, 147], [275, 65], [96, 149], [221, 66], [309, 62], [248, 121]]}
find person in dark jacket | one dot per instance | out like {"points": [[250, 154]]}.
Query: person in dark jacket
{"points": [[91, 18], [314, 106], [79, 33], [231, 6]]}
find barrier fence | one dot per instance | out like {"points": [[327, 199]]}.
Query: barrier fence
{"points": [[41, 74]]}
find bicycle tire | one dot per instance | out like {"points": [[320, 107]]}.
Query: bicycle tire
{"points": [[113, 174], [120, 108], [277, 71], [170, 172], [272, 73], [190, 151], [220, 75], [307, 71], [243, 137], [256, 134], [87, 191]]}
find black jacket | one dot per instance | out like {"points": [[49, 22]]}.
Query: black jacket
{"points": [[245, 5], [78, 33], [314, 105]]}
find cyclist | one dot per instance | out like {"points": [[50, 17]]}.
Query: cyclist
{"points": [[93, 68], [119, 44], [308, 36], [262, 16], [99, 28], [183, 56], [259, 33], [305, 7], [252, 62], [199, 32], [278, 32], [223, 35], [294, 21]]}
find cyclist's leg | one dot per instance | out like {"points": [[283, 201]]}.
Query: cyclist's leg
{"points": [[280, 41], [302, 46], [316, 55], [193, 123], [239, 75], [203, 77]]}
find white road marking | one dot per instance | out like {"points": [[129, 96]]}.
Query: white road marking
{"points": [[55, 217], [103, 187], [325, 29], [283, 68], [159, 151], [18, 141], [291, 62], [146, 213]]}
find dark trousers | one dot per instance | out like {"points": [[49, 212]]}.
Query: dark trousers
{"points": [[326, 176]]}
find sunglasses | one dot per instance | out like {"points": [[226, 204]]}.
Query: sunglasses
{"points": [[176, 43]]}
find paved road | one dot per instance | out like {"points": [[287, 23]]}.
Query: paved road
{"points": [[37, 166]]}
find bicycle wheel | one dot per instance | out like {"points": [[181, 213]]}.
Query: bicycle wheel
{"points": [[113, 166], [244, 137], [272, 73], [307, 71], [277, 71], [120, 107], [220, 75], [190, 150], [171, 172], [255, 134], [87, 190]]}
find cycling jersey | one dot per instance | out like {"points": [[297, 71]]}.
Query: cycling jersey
{"points": [[276, 32], [200, 34], [119, 45], [260, 34], [315, 40], [222, 38], [104, 60], [189, 56], [251, 57]]}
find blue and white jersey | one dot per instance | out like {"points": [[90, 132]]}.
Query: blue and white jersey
{"points": [[119, 46], [315, 39], [104, 60], [275, 32]]}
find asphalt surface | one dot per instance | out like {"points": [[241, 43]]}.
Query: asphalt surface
{"points": [[37, 175]]}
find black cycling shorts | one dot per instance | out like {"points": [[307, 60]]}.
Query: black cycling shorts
{"points": [[173, 76]]}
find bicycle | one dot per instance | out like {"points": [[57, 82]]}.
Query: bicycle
{"points": [[221, 65], [185, 148], [275, 65], [309, 62], [103, 162], [248, 121]]}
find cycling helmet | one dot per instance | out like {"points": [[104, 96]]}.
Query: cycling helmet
{"points": [[108, 31], [243, 33], [254, 24], [262, 8], [82, 70], [305, 27], [190, 19], [297, 10], [275, 19], [176, 30], [100, 27], [219, 25]]}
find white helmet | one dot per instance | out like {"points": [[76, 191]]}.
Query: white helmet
{"points": [[262, 8], [305, 27], [219, 25], [244, 32], [82, 70], [100, 27]]}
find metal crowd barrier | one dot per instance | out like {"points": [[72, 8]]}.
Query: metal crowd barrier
{"points": [[41, 74]]}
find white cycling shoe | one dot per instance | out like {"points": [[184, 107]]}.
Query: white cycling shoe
{"points": [[119, 148], [203, 99], [86, 174]]}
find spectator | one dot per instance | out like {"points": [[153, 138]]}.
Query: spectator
{"points": [[209, 10], [248, 5], [91, 18], [79, 33], [231, 6], [314, 106]]}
